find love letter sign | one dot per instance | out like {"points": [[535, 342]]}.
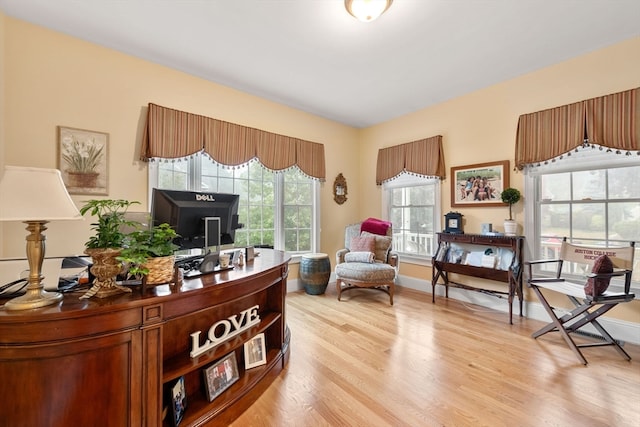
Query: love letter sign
{"points": [[224, 329]]}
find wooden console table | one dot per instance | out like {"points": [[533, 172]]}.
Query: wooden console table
{"points": [[512, 275], [111, 361]]}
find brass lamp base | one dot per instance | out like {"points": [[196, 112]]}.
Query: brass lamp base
{"points": [[34, 298]]}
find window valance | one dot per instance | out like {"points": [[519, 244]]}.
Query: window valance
{"points": [[611, 121], [173, 134], [423, 157]]}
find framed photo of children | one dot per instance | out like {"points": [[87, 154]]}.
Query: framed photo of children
{"points": [[219, 376], [82, 160], [255, 353], [480, 184]]}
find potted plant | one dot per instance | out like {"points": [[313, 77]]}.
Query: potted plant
{"points": [[510, 196], [148, 253], [106, 244]]}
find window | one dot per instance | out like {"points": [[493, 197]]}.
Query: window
{"points": [[412, 204], [278, 209], [592, 197]]}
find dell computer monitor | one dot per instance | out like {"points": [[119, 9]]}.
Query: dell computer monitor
{"points": [[186, 212]]}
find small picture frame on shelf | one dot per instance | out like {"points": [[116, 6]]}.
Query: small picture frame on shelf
{"points": [[255, 353], [250, 253], [178, 401], [219, 376]]}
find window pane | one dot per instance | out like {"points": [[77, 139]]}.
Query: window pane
{"points": [[624, 221], [261, 198], [624, 183], [589, 185], [412, 215], [556, 186], [555, 220], [173, 175], [588, 221]]}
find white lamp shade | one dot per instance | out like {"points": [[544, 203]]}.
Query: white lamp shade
{"points": [[35, 194]]}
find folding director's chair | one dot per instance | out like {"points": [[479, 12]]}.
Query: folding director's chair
{"points": [[587, 307]]}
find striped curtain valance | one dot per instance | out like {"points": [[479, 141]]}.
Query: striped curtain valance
{"points": [[423, 157], [611, 121], [171, 134]]}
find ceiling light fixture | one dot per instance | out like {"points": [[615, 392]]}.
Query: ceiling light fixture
{"points": [[367, 10]]}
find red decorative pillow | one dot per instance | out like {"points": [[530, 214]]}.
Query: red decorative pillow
{"points": [[597, 286], [363, 244]]}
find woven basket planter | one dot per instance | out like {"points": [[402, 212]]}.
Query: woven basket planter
{"points": [[161, 270]]}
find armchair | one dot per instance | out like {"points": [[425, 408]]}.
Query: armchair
{"points": [[366, 261]]}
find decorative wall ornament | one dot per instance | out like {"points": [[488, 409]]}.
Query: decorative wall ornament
{"points": [[340, 189]]}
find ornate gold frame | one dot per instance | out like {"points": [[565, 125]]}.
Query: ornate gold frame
{"points": [[340, 189]]}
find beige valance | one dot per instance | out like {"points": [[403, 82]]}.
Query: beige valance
{"points": [[172, 134], [423, 157], [611, 121]]}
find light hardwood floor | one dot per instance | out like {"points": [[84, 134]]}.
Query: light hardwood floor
{"points": [[361, 362]]}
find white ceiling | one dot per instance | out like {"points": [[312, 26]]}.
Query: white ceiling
{"points": [[313, 56]]}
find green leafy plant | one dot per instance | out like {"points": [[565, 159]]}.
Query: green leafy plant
{"points": [[142, 244], [111, 219], [510, 196]]}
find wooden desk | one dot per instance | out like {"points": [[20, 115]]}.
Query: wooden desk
{"points": [[512, 275], [109, 362]]}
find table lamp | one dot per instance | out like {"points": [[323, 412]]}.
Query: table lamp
{"points": [[34, 196]]}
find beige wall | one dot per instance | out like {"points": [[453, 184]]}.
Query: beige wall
{"points": [[51, 79]]}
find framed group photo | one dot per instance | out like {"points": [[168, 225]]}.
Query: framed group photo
{"points": [[480, 184], [219, 376], [255, 353], [83, 160]]}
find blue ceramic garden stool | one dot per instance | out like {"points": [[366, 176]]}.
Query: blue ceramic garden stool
{"points": [[315, 270]]}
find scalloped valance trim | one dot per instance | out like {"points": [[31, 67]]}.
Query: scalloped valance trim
{"points": [[173, 134]]}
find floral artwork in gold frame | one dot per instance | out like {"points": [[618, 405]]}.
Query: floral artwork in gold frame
{"points": [[83, 160]]}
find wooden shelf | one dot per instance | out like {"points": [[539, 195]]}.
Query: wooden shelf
{"points": [[183, 363]]}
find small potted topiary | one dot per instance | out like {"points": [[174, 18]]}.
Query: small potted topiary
{"points": [[510, 196], [148, 253]]}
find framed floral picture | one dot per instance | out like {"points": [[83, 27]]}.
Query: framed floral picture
{"points": [[480, 184], [83, 160]]}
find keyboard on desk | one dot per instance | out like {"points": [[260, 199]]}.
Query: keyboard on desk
{"points": [[189, 262]]}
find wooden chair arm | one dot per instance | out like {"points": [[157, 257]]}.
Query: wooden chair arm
{"points": [[541, 261], [545, 280], [616, 273]]}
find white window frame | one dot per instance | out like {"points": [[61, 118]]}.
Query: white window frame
{"points": [[194, 174], [585, 158], [410, 180]]}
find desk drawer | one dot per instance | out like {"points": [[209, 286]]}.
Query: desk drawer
{"points": [[492, 241]]}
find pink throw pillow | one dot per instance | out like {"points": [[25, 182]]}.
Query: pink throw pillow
{"points": [[362, 244]]}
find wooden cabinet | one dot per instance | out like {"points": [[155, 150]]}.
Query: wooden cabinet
{"points": [[109, 362], [463, 254]]}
